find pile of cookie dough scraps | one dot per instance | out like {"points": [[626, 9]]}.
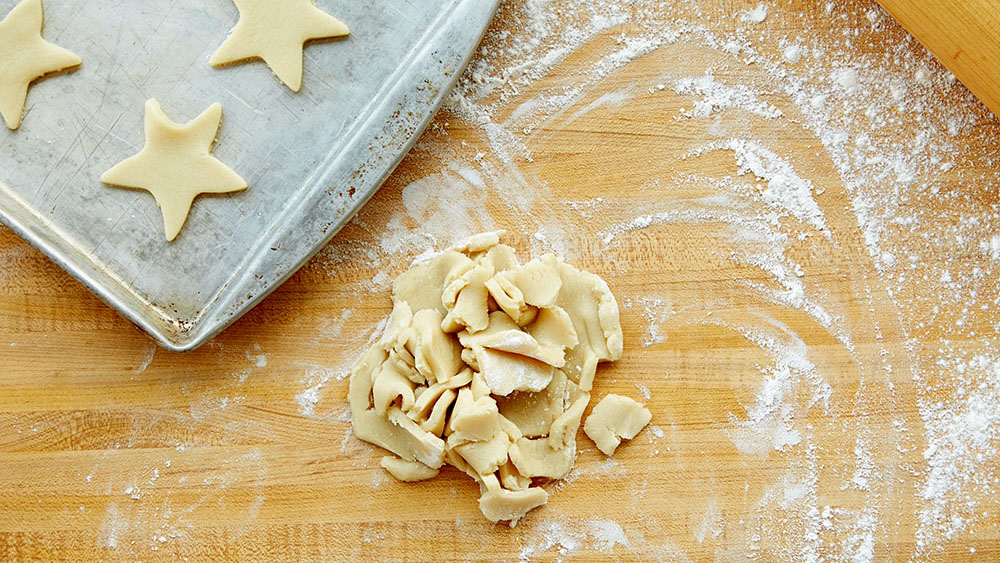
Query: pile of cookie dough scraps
{"points": [[487, 365]]}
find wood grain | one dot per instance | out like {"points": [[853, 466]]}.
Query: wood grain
{"points": [[963, 34], [111, 449]]}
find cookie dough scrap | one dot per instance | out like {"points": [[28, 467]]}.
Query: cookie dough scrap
{"points": [[486, 365], [614, 418], [407, 471], [276, 31], [176, 165], [25, 57]]}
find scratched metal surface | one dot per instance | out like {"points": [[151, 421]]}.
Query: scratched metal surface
{"points": [[311, 159]]}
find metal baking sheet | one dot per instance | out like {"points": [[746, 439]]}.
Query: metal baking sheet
{"points": [[311, 159]]}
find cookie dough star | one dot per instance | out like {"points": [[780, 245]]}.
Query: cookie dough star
{"points": [[176, 165], [24, 57], [276, 31]]}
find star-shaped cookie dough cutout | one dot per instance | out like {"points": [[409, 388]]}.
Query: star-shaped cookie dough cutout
{"points": [[25, 57], [176, 165], [276, 32]]}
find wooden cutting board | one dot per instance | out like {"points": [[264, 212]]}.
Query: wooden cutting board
{"points": [[963, 34], [111, 449]]}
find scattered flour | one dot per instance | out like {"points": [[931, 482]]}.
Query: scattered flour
{"points": [[606, 534], [565, 537], [114, 526], [657, 311], [709, 524], [255, 357], [718, 97], [963, 451], [331, 329], [315, 379], [756, 15], [991, 247], [792, 54], [145, 358], [847, 79], [785, 189]]}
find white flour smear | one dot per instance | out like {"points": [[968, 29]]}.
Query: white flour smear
{"points": [[753, 116], [656, 311], [315, 380], [962, 455], [564, 537], [769, 421], [784, 190], [718, 97]]}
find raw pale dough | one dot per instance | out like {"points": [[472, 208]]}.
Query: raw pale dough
{"points": [[176, 165], [24, 57], [486, 365], [408, 471], [275, 31], [614, 418]]}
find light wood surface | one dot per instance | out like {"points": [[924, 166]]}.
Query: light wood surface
{"points": [[965, 36], [112, 449]]}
